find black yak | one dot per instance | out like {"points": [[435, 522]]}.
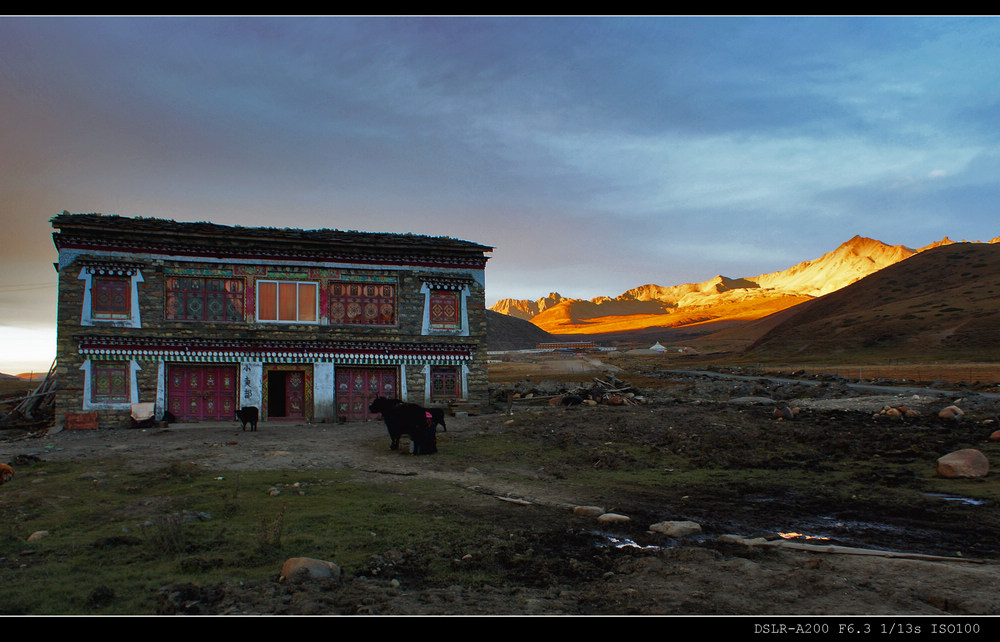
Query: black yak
{"points": [[403, 418], [248, 415]]}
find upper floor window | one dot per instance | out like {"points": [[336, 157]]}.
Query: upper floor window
{"points": [[362, 303], [287, 301], [445, 309], [204, 299], [110, 297]]}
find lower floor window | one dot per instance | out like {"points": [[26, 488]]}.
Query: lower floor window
{"points": [[445, 383], [109, 382]]}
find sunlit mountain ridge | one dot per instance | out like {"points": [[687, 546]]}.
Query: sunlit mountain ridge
{"points": [[720, 299]]}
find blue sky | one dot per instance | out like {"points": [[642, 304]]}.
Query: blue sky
{"points": [[594, 154]]}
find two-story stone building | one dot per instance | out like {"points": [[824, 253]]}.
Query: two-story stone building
{"points": [[308, 325]]}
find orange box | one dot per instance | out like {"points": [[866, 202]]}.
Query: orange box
{"points": [[81, 421]]}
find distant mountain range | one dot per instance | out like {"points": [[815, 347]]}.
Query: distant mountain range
{"points": [[719, 301], [24, 376]]}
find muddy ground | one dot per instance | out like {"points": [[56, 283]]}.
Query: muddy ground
{"points": [[938, 556]]}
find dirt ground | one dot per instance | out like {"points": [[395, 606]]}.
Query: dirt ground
{"points": [[940, 558]]}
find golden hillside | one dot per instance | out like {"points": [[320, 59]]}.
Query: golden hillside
{"points": [[942, 304]]}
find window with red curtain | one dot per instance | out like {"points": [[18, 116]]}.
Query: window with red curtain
{"points": [[287, 301]]}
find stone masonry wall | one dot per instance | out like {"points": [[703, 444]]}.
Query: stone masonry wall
{"points": [[151, 292]]}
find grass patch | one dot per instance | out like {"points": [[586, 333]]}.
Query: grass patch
{"points": [[115, 536]]}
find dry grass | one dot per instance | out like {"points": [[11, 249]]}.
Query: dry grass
{"points": [[921, 372], [640, 370]]}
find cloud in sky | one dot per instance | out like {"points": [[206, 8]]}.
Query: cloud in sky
{"points": [[595, 154]]}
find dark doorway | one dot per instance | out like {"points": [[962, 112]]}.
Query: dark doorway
{"points": [[286, 396]]}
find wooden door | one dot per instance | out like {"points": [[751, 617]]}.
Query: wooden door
{"points": [[295, 394], [202, 393], [358, 387]]}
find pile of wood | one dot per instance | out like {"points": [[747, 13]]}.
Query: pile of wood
{"points": [[614, 392], [609, 391], [36, 407]]}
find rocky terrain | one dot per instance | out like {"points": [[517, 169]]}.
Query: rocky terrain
{"points": [[659, 547]]}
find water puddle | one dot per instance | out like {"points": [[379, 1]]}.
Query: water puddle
{"points": [[825, 529], [955, 498], [911, 535], [624, 542], [820, 538]]}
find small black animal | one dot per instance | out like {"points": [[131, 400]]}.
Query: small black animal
{"points": [[248, 415], [403, 418]]}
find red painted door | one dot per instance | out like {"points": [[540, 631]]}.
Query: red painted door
{"points": [[202, 393], [295, 394], [357, 387]]}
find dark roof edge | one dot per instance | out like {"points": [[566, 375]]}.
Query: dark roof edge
{"points": [[112, 223]]}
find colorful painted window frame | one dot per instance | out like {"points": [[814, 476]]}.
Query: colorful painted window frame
{"points": [[445, 309], [353, 303], [446, 383], [111, 297], [196, 298], [109, 382]]}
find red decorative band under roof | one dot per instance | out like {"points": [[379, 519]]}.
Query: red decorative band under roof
{"points": [[438, 261]]}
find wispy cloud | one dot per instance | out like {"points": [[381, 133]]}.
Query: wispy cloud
{"points": [[597, 154]]}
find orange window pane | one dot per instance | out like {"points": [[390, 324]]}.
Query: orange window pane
{"points": [[307, 302], [287, 301], [267, 302]]}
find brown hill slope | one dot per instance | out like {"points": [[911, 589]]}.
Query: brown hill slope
{"points": [[943, 303], [509, 333]]}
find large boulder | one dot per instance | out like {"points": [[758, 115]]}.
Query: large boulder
{"points": [[676, 529], [612, 518], [963, 463], [951, 413], [588, 511], [307, 567]]}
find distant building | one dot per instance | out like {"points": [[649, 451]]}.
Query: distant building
{"points": [[203, 319], [568, 345]]}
